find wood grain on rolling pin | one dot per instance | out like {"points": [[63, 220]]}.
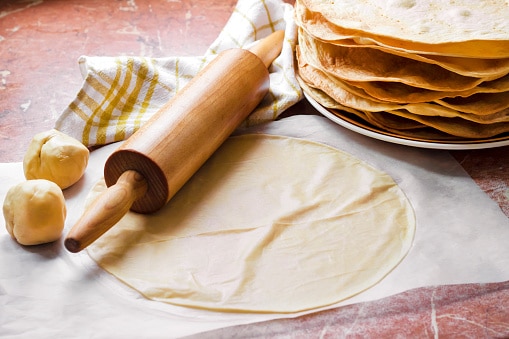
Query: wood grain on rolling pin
{"points": [[156, 161], [170, 148]]}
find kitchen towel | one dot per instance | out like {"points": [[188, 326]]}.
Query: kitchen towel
{"points": [[120, 93]]}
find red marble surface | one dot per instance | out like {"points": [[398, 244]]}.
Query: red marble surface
{"points": [[466, 311], [40, 42]]}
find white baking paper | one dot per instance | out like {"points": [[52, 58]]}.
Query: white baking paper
{"points": [[46, 291]]}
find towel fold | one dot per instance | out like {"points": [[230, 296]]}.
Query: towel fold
{"points": [[120, 93]]}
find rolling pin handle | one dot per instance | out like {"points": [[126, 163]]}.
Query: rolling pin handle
{"points": [[106, 210], [269, 48]]}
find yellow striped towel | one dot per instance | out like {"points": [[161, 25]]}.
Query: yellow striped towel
{"points": [[120, 93]]}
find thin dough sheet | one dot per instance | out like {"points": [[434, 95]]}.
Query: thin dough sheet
{"points": [[269, 224]]}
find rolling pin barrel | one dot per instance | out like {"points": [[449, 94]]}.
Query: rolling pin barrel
{"points": [[171, 147], [146, 171]]}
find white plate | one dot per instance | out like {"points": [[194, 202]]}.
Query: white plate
{"points": [[381, 135]]}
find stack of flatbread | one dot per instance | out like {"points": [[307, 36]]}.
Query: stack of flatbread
{"points": [[433, 70]]}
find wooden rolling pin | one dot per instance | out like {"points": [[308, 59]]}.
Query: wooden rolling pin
{"points": [[155, 162]]}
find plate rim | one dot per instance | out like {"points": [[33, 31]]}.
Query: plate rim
{"points": [[403, 141]]}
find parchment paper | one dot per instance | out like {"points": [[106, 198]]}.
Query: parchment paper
{"points": [[47, 292]]}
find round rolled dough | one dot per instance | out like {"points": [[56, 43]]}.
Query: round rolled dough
{"points": [[268, 224]]}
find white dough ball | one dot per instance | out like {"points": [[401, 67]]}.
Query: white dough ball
{"points": [[55, 156], [35, 212]]}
